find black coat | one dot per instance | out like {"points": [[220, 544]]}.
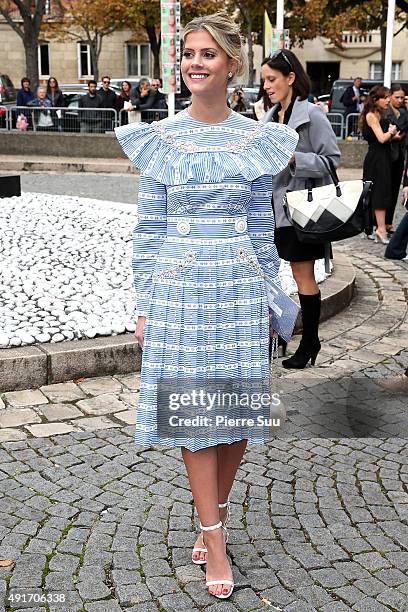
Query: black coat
{"points": [[347, 100], [57, 99], [154, 99], [90, 102], [108, 98]]}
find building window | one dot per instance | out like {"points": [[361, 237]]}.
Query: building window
{"points": [[376, 72], [44, 60], [138, 60], [85, 65]]}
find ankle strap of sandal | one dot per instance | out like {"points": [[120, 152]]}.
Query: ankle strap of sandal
{"points": [[211, 527], [225, 505]]}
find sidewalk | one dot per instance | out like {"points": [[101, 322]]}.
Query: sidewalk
{"points": [[317, 524]]}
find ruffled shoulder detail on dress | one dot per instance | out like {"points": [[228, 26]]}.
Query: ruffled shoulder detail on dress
{"points": [[174, 156]]}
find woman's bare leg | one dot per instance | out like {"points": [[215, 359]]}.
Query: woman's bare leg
{"points": [[380, 218], [229, 459], [303, 273], [202, 470]]}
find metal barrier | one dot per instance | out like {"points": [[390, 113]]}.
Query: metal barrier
{"points": [[352, 127], [101, 120], [337, 123], [64, 119]]}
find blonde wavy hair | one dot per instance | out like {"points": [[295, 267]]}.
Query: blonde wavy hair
{"points": [[225, 33]]}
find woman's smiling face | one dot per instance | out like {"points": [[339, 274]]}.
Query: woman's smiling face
{"points": [[205, 65]]}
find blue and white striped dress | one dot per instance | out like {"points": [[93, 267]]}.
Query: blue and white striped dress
{"points": [[203, 240]]}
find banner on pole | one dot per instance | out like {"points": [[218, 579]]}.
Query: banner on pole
{"points": [[274, 39], [170, 46]]}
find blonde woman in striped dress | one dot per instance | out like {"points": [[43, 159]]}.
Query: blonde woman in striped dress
{"points": [[203, 244]]}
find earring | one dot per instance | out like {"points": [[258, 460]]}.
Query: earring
{"points": [[230, 75]]}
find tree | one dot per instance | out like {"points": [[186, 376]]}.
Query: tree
{"points": [[329, 18], [145, 15], [88, 21], [250, 15], [25, 18]]}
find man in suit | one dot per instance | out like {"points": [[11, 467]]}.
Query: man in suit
{"points": [[351, 100]]}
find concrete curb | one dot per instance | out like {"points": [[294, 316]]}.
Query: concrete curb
{"points": [[43, 364], [12, 163]]}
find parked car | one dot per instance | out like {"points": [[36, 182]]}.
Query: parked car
{"points": [[341, 85], [70, 116], [8, 93]]}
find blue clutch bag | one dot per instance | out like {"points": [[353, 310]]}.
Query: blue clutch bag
{"points": [[284, 310]]}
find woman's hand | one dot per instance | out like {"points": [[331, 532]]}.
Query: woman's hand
{"points": [[392, 129], [139, 332], [292, 160], [405, 193]]}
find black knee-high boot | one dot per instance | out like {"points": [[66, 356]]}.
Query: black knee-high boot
{"points": [[310, 344]]}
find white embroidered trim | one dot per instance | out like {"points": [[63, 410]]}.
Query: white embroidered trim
{"points": [[189, 257], [233, 146], [251, 260]]}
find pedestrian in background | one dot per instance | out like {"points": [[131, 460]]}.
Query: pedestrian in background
{"points": [[238, 102], [24, 95], [108, 101], [397, 115], [55, 95], [89, 118], [143, 97], [288, 87], [351, 100], [378, 132], [160, 98], [42, 118], [123, 103]]}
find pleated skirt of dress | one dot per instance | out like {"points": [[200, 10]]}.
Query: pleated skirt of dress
{"points": [[208, 318]]}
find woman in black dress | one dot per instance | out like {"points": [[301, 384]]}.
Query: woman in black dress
{"points": [[378, 132]]}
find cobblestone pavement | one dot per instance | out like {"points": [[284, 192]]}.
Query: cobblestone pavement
{"points": [[318, 523]]}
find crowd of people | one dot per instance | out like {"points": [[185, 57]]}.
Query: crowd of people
{"points": [[129, 103]]}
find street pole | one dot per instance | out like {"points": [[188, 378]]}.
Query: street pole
{"points": [[388, 43], [171, 103], [279, 14]]}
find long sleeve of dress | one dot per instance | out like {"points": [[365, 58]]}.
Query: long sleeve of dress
{"points": [[148, 236], [261, 227]]}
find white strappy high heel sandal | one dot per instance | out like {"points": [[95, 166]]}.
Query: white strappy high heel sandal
{"points": [[225, 580], [204, 550]]}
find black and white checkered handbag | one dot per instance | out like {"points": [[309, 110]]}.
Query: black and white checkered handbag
{"points": [[330, 213]]}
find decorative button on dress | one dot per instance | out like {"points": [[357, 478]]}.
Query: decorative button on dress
{"points": [[201, 247]]}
